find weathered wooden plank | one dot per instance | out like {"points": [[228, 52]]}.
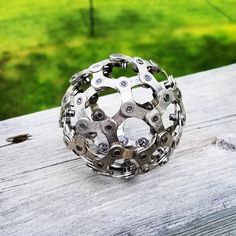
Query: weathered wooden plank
{"points": [[220, 223], [45, 189]]}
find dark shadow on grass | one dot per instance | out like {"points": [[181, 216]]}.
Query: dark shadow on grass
{"points": [[38, 81], [74, 24], [184, 56], [27, 92]]}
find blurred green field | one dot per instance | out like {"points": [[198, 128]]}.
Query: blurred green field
{"points": [[42, 43]]}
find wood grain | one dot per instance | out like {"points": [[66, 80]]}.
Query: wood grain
{"points": [[46, 190]]}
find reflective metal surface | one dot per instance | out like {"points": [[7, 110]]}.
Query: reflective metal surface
{"points": [[100, 139]]}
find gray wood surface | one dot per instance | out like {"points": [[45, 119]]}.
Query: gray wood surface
{"points": [[46, 190]]}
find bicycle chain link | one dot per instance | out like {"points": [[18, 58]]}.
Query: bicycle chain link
{"points": [[113, 155]]}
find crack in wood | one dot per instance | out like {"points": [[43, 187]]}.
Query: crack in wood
{"points": [[198, 124]]}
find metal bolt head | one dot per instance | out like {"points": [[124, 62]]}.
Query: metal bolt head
{"points": [[183, 119], [67, 120], [116, 152], [147, 77], [103, 147], [83, 126], [164, 161], [167, 97], [98, 81], [142, 142], [79, 100], [179, 95], [100, 164], [78, 148], [142, 156], [164, 139], [123, 83], [153, 159], [109, 127], [155, 118], [98, 115], [92, 135], [140, 61], [94, 98], [145, 168], [65, 99], [95, 67], [129, 109], [173, 117], [116, 56], [70, 113]]}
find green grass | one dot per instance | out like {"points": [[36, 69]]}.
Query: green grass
{"points": [[42, 43]]}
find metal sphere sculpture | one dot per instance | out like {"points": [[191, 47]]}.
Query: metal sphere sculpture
{"points": [[100, 139]]}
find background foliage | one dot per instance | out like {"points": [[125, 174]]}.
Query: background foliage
{"points": [[42, 43]]}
